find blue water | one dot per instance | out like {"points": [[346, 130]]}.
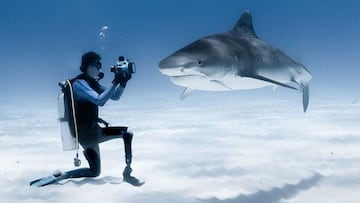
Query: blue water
{"points": [[41, 41]]}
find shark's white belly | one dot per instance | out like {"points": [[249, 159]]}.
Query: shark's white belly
{"points": [[219, 84]]}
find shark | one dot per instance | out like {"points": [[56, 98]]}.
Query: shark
{"points": [[235, 60]]}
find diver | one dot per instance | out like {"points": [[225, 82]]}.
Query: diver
{"points": [[88, 96]]}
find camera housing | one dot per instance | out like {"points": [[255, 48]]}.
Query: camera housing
{"points": [[123, 65]]}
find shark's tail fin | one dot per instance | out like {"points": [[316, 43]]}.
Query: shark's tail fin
{"points": [[305, 93]]}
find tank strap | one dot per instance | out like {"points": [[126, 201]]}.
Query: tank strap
{"points": [[75, 123]]}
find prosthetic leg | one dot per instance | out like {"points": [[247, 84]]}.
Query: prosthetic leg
{"points": [[128, 158], [127, 145]]}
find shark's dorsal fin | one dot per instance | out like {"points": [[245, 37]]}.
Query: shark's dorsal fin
{"points": [[244, 26]]}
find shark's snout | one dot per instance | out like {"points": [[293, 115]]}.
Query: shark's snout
{"points": [[166, 67], [169, 62], [163, 64]]}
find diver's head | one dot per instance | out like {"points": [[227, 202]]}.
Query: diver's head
{"points": [[91, 65]]}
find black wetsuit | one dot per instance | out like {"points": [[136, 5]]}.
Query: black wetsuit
{"points": [[89, 94]]}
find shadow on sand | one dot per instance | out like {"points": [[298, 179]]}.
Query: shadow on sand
{"points": [[274, 195], [95, 181]]}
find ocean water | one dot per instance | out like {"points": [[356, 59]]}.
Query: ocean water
{"points": [[42, 41], [245, 146]]}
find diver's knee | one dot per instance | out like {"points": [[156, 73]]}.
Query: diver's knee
{"points": [[94, 162], [128, 135], [95, 172]]}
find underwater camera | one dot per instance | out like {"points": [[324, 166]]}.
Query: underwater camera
{"points": [[123, 65]]}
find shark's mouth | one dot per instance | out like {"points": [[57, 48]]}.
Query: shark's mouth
{"points": [[188, 78], [200, 82], [180, 72], [188, 75]]}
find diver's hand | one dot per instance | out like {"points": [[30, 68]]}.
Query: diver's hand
{"points": [[121, 78], [117, 78], [125, 77]]}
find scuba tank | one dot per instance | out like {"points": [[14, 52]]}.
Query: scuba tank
{"points": [[67, 117]]}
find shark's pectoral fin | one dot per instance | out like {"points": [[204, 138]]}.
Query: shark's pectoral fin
{"points": [[305, 93], [259, 77], [187, 91]]}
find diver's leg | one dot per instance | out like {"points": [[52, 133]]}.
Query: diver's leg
{"points": [[128, 158], [93, 157], [127, 138], [104, 138]]}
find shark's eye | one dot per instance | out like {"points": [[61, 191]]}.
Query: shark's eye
{"points": [[199, 63]]}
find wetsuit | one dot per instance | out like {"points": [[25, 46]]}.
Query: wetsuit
{"points": [[88, 95]]}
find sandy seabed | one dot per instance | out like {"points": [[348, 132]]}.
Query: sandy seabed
{"points": [[234, 152]]}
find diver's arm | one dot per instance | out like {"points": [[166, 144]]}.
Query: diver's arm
{"points": [[84, 91], [121, 79], [117, 93]]}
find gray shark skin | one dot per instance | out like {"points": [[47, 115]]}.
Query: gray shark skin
{"points": [[235, 60]]}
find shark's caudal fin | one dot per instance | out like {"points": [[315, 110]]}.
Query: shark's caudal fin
{"points": [[305, 94]]}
